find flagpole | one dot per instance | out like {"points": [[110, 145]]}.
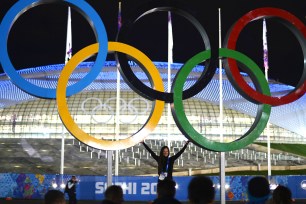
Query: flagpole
{"points": [[117, 121], [67, 58], [170, 61], [118, 96], [266, 66], [222, 154]]}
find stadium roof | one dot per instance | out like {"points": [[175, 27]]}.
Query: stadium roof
{"points": [[290, 116]]}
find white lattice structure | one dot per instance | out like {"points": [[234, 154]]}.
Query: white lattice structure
{"points": [[38, 117]]}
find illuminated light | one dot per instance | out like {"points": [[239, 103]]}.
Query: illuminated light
{"points": [[227, 186], [218, 186], [9, 150], [273, 186], [54, 185], [38, 166], [176, 186], [303, 184], [62, 185], [17, 166]]}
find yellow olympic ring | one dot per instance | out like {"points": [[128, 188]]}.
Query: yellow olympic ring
{"points": [[74, 129]]}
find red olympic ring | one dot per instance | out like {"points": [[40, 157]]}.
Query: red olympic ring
{"points": [[299, 30]]}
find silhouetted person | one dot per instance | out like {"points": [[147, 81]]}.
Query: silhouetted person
{"points": [[14, 118], [258, 190], [113, 195], [71, 190], [282, 195], [201, 190], [55, 197], [165, 161], [166, 192]]}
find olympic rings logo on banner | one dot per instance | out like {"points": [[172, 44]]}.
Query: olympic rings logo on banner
{"points": [[261, 96], [124, 106]]}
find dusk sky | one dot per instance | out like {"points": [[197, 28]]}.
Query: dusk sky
{"points": [[38, 36]]}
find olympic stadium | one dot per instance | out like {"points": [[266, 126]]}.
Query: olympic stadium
{"points": [[32, 131]]}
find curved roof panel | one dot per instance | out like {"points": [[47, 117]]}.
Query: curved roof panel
{"points": [[290, 116]]}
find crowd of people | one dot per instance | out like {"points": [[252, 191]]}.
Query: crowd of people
{"points": [[201, 190]]}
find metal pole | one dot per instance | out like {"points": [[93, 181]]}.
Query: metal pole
{"points": [[222, 155], [266, 66], [67, 57], [109, 167], [62, 151], [170, 60], [117, 130]]}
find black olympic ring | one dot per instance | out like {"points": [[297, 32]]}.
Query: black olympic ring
{"points": [[126, 71]]}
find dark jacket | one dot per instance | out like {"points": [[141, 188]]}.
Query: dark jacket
{"points": [[107, 202], [71, 190], [166, 200]]}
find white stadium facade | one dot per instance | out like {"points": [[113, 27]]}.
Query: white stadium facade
{"points": [[31, 129]]}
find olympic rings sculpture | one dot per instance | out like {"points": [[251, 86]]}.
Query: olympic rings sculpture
{"points": [[261, 96]]}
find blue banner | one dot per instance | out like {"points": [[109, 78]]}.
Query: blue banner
{"points": [[135, 188]]}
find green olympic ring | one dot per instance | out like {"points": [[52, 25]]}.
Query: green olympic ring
{"points": [[187, 129]]}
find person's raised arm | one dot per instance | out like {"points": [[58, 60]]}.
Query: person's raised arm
{"points": [[150, 150], [177, 155]]}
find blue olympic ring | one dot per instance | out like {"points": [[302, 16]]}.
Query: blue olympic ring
{"points": [[88, 12]]}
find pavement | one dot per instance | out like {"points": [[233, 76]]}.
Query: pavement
{"points": [[43, 156]]}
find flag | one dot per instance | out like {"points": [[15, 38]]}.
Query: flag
{"points": [[69, 38], [119, 26], [265, 46], [170, 39], [119, 17], [170, 61]]}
